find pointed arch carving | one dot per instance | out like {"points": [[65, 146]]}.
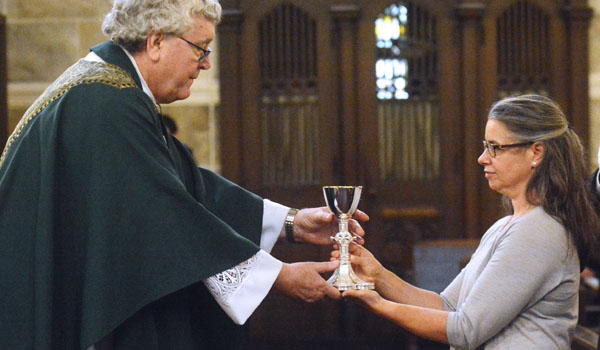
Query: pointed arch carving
{"points": [[523, 49], [289, 110]]}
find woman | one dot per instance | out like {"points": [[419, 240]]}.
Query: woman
{"points": [[520, 288]]}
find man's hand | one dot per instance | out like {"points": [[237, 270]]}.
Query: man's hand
{"points": [[318, 225], [302, 281]]}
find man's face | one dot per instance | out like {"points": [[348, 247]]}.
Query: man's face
{"points": [[180, 62]]}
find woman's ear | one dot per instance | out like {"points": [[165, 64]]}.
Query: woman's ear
{"points": [[538, 152]]}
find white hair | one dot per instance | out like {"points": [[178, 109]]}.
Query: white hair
{"points": [[131, 21]]}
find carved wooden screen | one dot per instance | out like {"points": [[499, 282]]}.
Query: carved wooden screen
{"points": [[407, 93], [523, 34], [289, 111]]}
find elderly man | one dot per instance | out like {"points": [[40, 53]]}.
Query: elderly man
{"points": [[110, 236]]}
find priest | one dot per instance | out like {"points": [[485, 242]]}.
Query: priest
{"points": [[111, 237]]}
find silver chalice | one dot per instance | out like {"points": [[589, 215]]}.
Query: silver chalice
{"points": [[343, 201]]}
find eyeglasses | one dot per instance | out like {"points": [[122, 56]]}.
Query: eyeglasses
{"points": [[205, 52], [493, 148]]}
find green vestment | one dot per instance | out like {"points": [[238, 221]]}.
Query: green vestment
{"points": [[107, 227]]}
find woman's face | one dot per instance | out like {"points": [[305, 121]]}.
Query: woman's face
{"points": [[510, 171]]}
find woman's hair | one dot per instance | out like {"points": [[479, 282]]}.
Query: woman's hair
{"points": [[130, 22], [560, 181]]}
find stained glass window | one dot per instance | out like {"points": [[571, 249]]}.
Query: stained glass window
{"points": [[407, 78], [391, 69]]}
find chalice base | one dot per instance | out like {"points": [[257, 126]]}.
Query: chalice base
{"points": [[348, 280]]}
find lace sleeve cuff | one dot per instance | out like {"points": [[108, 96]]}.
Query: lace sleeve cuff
{"points": [[242, 288]]}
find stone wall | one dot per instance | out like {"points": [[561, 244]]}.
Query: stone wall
{"points": [[47, 36]]}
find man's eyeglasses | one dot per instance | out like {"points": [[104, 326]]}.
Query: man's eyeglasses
{"points": [[205, 52], [492, 147]]}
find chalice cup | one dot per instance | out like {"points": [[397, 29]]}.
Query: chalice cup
{"points": [[343, 201]]}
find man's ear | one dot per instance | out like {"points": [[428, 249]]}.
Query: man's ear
{"points": [[154, 43]]}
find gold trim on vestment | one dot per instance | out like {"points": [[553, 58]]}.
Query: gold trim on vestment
{"points": [[82, 72]]}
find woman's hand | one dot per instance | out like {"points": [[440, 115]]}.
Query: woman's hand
{"points": [[368, 298], [364, 263]]}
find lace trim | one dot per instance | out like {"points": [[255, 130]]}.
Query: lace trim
{"points": [[224, 284]]}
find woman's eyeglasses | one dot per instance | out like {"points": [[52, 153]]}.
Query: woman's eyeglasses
{"points": [[492, 148]]}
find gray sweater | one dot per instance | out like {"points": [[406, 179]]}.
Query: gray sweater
{"points": [[520, 289]]}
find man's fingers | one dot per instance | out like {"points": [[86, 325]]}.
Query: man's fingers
{"points": [[332, 292], [326, 266], [323, 216], [360, 215], [349, 293]]}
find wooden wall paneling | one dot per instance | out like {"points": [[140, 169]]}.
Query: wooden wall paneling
{"points": [[367, 133], [578, 17], [470, 16], [451, 127], [345, 18], [251, 99], [231, 114], [490, 206], [332, 143], [3, 84], [559, 67]]}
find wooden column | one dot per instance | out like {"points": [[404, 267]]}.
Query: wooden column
{"points": [[230, 116], [3, 83], [470, 15], [345, 17], [578, 17]]}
